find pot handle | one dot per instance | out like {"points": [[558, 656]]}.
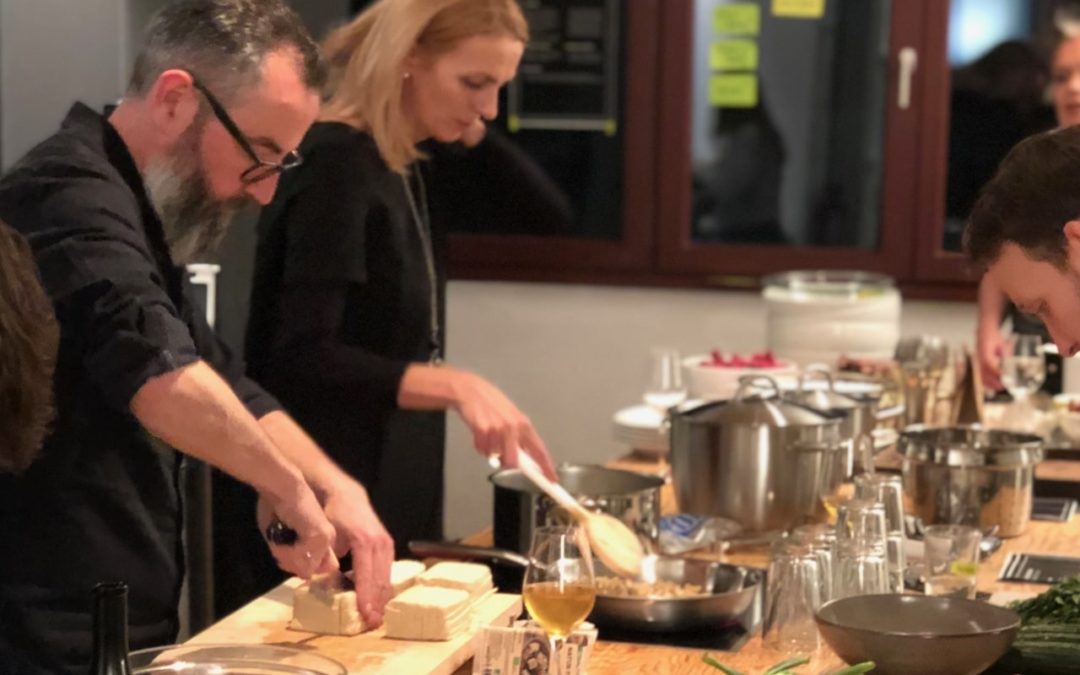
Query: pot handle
{"points": [[440, 549], [747, 382], [820, 370]]}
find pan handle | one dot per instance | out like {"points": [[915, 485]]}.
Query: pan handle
{"points": [[439, 549]]}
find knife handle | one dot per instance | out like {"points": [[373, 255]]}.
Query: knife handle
{"points": [[281, 534]]}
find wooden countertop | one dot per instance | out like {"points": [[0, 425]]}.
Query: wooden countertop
{"points": [[614, 658]]}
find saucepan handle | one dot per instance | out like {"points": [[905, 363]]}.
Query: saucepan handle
{"points": [[439, 549]]}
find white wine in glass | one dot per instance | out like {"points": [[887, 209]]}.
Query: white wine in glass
{"points": [[559, 588]]}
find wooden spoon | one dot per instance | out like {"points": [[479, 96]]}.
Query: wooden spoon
{"points": [[613, 541]]}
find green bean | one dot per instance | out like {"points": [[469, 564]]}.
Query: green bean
{"points": [[856, 669], [716, 664], [787, 664]]}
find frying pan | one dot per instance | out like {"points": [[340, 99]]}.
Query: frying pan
{"points": [[728, 590]]}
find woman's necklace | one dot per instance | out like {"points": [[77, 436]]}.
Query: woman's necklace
{"points": [[422, 218]]}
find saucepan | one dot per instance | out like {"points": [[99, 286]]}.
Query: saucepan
{"points": [[727, 591], [520, 507]]}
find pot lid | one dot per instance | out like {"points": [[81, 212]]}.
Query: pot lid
{"points": [[755, 407], [969, 446], [816, 389]]}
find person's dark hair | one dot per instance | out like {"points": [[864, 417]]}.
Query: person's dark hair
{"points": [[28, 345], [224, 43], [1035, 191]]}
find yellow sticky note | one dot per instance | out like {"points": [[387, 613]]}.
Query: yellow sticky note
{"points": [[738, 19], [733, 55], [734, 90], [799, 9]]}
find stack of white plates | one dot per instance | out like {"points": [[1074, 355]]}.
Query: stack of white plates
{"points": [[642, 428]]}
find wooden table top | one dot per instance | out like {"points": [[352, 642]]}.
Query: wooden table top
{"points": [[617, 658]]}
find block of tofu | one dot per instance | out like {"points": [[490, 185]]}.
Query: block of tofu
{"points": [[327, 603], [473, 578], [403, 574], [428, 613]]}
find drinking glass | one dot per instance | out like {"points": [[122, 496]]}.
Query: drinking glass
{"points": [[861, 568], [862, 520], [665, 387], [792, 597], [560, 588], [952, 560], [889, 491], [822, 541], [1023, 366]]}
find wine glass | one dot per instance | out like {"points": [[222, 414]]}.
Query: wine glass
{"points": [[1023, 366], [666, 387], [559, 588]]}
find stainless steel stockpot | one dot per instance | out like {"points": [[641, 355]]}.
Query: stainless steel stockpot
{"points": [[758, 460], [970, 476]]}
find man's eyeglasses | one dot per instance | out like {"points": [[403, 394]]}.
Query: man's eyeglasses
{"points": [[261, 169]]}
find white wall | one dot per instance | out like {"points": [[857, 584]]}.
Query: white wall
{"points": [[570, 356], [52, 54]]}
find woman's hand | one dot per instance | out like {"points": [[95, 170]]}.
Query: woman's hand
{"points": [[497, 426]]}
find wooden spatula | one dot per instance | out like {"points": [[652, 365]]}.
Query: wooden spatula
{"points": [[611, 539]]}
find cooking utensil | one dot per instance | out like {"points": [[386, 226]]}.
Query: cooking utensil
{"points": [[612, 541], [758, 460], [727, 590], [520, 507], [970, 476], [905, 634]]}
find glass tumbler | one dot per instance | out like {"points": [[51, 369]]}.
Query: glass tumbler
{"points": [[792, 597], [952, 560], [888, 490]]}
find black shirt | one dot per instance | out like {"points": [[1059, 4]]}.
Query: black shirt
{"points": [[341, 304], [101, 502]]}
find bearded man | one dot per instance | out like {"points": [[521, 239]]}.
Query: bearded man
{"points": [[221, 94]]}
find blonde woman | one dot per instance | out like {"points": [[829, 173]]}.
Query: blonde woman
{"points": [[347, 310]]}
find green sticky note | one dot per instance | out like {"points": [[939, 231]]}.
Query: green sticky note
{"points": [[738, 19], [734, 90], [733, 55], [799, 9]]}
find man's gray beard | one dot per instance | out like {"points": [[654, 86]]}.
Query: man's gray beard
{"points": [[195, 222]]}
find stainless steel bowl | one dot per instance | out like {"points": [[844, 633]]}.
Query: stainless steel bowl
{"points": [[970, 476]]}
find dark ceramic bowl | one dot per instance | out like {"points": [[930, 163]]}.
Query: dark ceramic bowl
{"points": [[906, 634]]}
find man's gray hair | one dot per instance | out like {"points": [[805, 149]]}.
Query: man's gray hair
{"points": [[224, 44]]}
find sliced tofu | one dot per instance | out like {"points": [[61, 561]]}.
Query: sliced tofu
{"points": [[403, 574], [327, 604], [428, 613], [473, 578], [321, 605]]}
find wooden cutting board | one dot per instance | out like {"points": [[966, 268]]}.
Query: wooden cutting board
{"points": [[265, 621]]}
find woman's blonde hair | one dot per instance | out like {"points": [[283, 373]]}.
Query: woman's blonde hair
{"points": [[366, 60]]}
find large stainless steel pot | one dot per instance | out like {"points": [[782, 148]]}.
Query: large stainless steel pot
{"points": [[757, 460], [520, 507], [970, 476]]}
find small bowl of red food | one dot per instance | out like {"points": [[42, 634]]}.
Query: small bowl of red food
{"points": [[716, 375]]}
